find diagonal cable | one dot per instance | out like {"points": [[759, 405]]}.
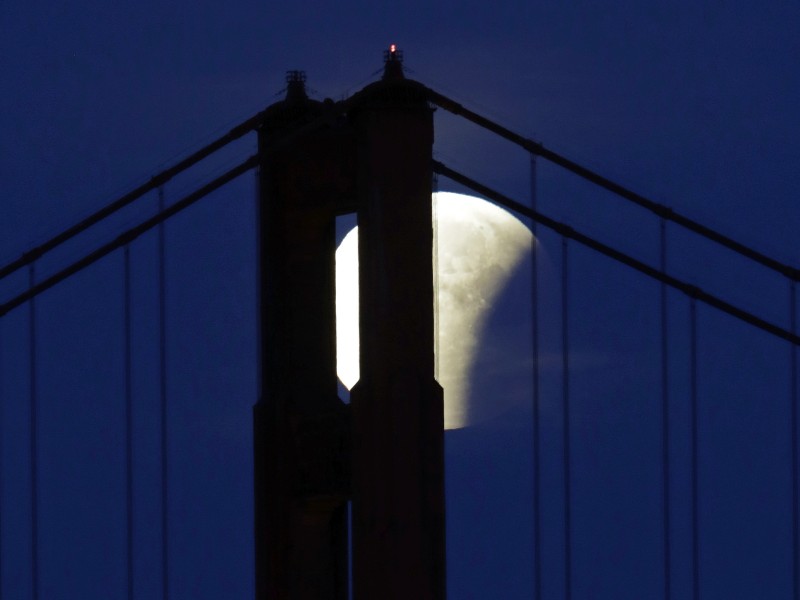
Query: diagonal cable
{"points": [[128, 236], [562, 229], [665, 212], [161, 178], [123, 201]]}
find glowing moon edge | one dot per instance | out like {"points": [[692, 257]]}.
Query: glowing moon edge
{"points": [[477, 248]]}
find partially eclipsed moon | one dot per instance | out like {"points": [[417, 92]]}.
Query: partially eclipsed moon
{"points": [[477, 247]]}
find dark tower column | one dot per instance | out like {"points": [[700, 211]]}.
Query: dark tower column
{"points": [[371, 153], [398, 439], [301, 426]]}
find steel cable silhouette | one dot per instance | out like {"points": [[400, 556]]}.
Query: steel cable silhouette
{"points": [[127, 351], [694, 449], [561, 228], [128, 236], [162, 390], [565, 415], [585, 240], [2, 454], [793, 411], [160, 179], [34, 444], [665, 445], [665, 212], [537, 475], [446, 103], [155, 182]]}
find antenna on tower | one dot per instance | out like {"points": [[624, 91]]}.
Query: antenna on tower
{"points": [[296, 86], [393, 63]]}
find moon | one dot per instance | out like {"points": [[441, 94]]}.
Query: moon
{"points": [[477, 248]]}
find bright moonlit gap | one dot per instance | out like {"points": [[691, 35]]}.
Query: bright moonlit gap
{"points": [[479, 246], [347, 330]]}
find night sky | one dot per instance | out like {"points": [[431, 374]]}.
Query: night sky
{"points": [[693, 104]]}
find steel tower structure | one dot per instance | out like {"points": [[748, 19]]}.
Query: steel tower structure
{"points": [[369, 154]]}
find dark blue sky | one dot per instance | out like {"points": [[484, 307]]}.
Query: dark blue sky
{"points": [[693, 104]]}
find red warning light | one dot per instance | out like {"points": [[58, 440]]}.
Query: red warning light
{"points": [[393, 56]]}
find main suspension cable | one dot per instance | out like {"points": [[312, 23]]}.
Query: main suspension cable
{"points": [[128, 236], [563, 229], [164, 176], [123, 201], [665, 212]]}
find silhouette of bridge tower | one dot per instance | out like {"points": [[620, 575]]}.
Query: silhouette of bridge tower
{"points": [[385, 450]]}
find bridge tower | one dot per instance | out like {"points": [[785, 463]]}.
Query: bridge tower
{"points": [[369, 154]]}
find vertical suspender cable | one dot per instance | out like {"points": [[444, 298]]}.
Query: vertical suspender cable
{"points": [[162, 343], [537, 562], [565, 414], [794, 408], [665, 414], [435, 223], [128, 422], [257, 275], [34, 449], [2, 471], [693, 401]]}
